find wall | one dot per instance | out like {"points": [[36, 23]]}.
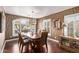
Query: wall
{"points": [[53, 17], [2, 35]]}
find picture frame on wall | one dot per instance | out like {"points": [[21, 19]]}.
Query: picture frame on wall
{"points": [[57, 24], [54, 24]]}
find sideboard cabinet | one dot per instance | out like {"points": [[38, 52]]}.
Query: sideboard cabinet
{"points": [[69, 43]]}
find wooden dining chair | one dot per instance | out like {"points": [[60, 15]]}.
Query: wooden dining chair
{"points": [[39, 43], [22, 42]]}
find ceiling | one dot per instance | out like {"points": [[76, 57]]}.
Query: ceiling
{"points": [[34, 11]]}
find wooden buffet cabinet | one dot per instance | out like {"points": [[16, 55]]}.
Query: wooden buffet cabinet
{"points": [[69, 43]]}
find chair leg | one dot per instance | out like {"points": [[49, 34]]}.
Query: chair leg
{"points": [[22, 49], [47, 47], [27, 47], [19, 46], [32, 46]]}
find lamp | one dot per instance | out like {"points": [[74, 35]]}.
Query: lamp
{"points": [[64, 25]]}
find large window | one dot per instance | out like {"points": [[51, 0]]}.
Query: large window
{"points": [[72, 25], [23, 25], [47, 26]]}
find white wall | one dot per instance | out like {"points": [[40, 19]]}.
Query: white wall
{"points": [[2, 35]]}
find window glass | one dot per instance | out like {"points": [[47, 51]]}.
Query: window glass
{"points": [[72, 25], [23, 25], [47, 26]]}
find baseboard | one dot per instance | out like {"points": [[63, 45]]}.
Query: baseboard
{"points": [[53, 39], [2, 49], [11, 40], [3, 46]]}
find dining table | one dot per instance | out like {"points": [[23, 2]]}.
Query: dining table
{"points": [[31, 36]]}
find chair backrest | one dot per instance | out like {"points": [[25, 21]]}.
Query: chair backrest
{"points": [[44, 36]]}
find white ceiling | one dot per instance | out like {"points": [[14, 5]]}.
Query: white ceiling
{"points": [[34, 11]]}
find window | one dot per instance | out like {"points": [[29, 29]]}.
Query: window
{"points": [[47, 26], [72, 25], [23, 25]]}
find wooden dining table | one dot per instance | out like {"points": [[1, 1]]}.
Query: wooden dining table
{"points": [[32, 37]]}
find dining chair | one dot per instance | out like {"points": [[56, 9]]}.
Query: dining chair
{"points": [[22, 42], [39, 43]]}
